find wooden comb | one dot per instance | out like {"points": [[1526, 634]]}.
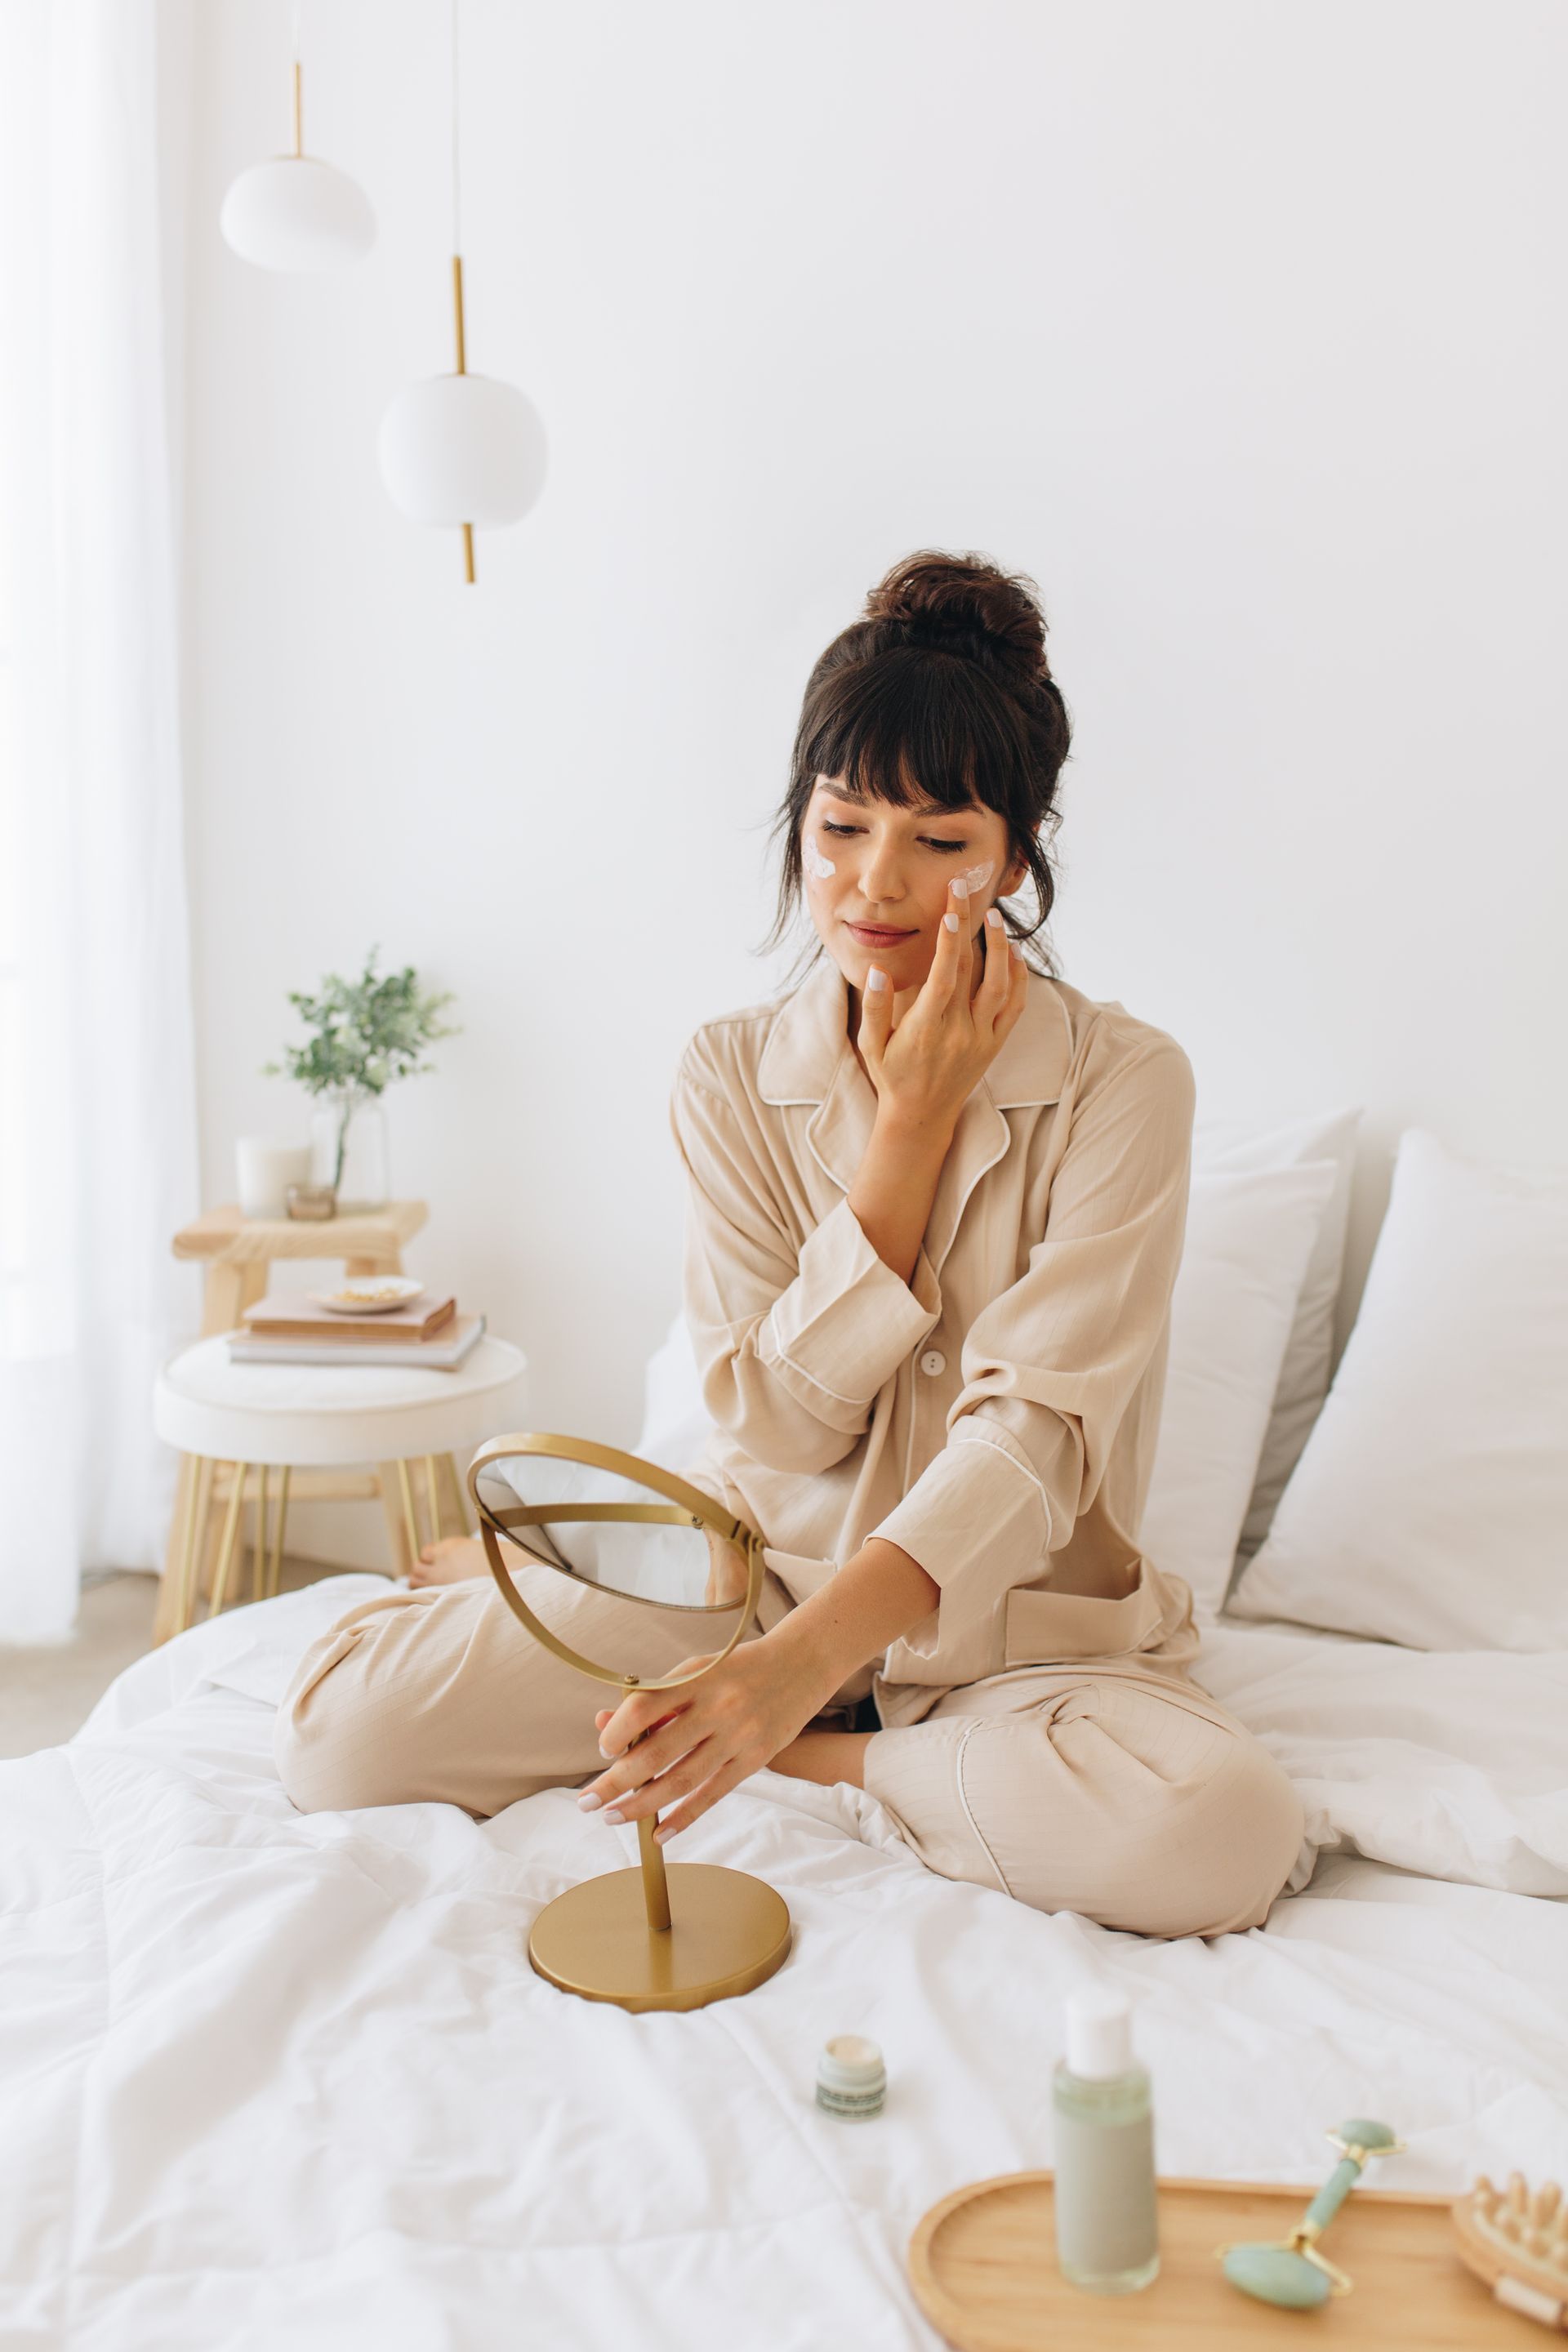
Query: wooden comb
{"points": [[1518, 2242]]}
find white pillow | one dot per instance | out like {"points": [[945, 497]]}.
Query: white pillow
{"points": [[1430, 1505], [1250, 1234], [676, 1422], [1226, 1144]]}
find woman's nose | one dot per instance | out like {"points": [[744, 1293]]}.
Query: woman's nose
{"points": [[881, 880]]}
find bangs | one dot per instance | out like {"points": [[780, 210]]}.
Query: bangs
{"points": [[938, 700], [913, 729]]}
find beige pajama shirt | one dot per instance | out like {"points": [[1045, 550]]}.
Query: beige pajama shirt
{"points": [[995, 1417]]}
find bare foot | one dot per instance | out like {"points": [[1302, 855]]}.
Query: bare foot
{"points": [[450, 1561]]}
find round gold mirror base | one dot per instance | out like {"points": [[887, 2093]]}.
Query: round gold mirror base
{"points": [[728, 1932]]}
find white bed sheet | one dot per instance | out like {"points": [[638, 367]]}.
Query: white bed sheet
{"points": [[274, 2077]]}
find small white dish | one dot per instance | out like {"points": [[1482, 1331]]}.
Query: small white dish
{"points": [[370, 1294]]}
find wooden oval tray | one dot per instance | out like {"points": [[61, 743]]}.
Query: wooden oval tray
{"points": [[983, 2264]]}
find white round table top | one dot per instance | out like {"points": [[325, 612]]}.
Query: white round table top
{"points": [[326, 1415]]}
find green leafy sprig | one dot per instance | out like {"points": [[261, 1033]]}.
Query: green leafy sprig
{"points": [[365, 1034]]}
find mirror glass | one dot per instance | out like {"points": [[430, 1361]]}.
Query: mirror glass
{"points": [[666, 1557]]}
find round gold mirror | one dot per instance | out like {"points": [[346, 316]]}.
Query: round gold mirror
{"points": [[563, 1519]]}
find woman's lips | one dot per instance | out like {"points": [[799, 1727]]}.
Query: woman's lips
{"points": [[876, 937]]}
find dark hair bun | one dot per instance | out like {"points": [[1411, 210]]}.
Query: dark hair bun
{"points": [[965, 604]]}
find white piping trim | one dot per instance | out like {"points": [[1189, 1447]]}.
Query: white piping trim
{"points": [[969, 1731], [960, 1435], [782, 1356]]}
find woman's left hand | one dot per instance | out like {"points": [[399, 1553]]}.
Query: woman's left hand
{"points": [[696, 1744]]}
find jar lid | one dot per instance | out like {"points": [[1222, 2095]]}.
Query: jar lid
{"points": [[850, 2062]]}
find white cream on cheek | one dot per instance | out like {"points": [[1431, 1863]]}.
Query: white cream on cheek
{"points": [[820, 868]]}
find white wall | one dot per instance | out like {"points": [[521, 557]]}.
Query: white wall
{"points": [[1237, 324]]}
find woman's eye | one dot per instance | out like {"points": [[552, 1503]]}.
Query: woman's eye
{"points": [[948, 847]]}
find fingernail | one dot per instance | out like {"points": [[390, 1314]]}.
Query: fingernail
{"points": [[993, 919], [876, 978], [590, 1803], [960, 889], [618, 1818], [610, 1754], [951, 922], [660, 1836]]}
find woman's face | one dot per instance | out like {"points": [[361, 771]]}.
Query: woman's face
{"points": [[868, 865]]}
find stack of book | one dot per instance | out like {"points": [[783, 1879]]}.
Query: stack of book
{"points": [[295, 1330]]}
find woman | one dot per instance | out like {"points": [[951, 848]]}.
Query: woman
{"points": [[937, 1202]]}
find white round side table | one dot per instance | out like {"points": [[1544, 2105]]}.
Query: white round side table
{"points": [[316, 1421]]}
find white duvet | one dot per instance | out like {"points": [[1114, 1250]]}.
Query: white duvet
{"points": [[282, 2079]]}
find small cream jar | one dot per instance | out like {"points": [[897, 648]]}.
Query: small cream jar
{"points": [[852, 2079]]}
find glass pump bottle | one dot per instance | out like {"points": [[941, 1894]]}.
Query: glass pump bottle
{"points": [[1103, 2129]]}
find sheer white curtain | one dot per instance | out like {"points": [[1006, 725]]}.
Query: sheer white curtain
{"points": [[97, 1120]]}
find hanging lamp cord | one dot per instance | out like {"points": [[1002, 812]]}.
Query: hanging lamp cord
{"points": [[456, 180]]}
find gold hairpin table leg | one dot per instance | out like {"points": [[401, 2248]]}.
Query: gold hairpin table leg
{"points": [[259, 1549], [411, 1525], [432, 1498], [464, 1526], [197, 1492], [230, 1533], [392, 1512]]}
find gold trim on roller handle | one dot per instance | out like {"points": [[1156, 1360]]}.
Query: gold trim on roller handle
{"points": [[694, 1506]]}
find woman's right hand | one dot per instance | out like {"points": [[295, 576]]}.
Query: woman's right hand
{"points": [[926, 1068]]}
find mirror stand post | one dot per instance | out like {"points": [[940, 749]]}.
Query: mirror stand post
{"points": [[654, 1883]]}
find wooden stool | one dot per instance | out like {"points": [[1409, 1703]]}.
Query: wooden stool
{"points": [[237, 1251], [307, 1421]]}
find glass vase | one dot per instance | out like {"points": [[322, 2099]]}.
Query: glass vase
{"points": [[364, 1183]]}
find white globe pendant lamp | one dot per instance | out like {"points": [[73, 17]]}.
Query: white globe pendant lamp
{"points": [[460, 451], [294, 211]]}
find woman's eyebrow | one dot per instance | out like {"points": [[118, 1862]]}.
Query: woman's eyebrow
{"points": [[932, 808]]}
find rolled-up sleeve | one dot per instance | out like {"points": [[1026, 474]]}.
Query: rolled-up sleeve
{"points": [[1050, 1365], [792, 1341]]}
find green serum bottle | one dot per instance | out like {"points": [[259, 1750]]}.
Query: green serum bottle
{"points": [[1108, 2233]]}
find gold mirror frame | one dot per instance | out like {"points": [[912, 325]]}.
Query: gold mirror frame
{"points": [[616, 1938], [687, 1507]]}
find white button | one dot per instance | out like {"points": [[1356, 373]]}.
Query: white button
{"points": [[933, 1361]]}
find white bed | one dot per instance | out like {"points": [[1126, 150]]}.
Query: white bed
{"points": [[273, 2077]]}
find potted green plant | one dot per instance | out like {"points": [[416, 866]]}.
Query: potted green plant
{"points": [[365, 1034]]}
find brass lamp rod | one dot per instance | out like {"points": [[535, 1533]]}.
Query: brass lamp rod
{"points": [[457, 260], [462, 370], [298, 110]]}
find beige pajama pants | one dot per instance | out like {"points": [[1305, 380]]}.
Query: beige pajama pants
{"points": [[1112, 1786]]}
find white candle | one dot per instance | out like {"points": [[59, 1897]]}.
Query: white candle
{"points": [[265, 1172]]}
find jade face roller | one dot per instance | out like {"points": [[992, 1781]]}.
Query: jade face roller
{"points": [[1291, 2272]]}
